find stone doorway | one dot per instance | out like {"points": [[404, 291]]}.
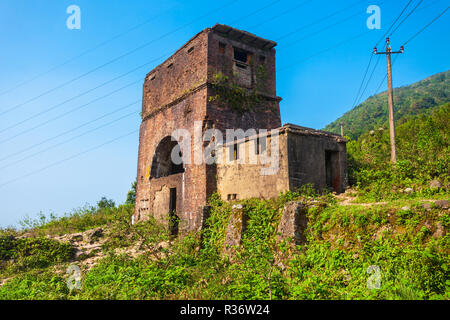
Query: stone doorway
{"points": [[333, 179]]}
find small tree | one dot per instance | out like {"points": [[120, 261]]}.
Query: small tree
{"points": [[105, 203], [131, 195]]}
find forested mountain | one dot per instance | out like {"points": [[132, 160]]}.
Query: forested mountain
{"points": [[418, 98]]}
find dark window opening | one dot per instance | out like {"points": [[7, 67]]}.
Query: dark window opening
{"points": [[190, 50], [234, 151], [153, 78], [232, 196], [222, 47], [173, 218], [162, 164], [262, 59], [261, 145], [240, 55], [170, 66], [207, 124]]}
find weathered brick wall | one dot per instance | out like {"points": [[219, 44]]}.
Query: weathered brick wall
{"points": [[267, 112], [191, 185], [177, 76]]}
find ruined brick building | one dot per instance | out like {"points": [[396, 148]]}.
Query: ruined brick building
{"points": [[224, 78]]}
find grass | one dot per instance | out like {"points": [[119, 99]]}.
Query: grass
{"points": [[344, 243]]}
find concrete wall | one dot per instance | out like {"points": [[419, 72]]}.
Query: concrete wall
{"points": [[306, 155], [246, 180]]}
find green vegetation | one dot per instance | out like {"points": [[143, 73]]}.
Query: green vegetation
{"points": [[423, 155], [401, 244], [81, 219], [229, 94], [419, 98], [342, 243]]}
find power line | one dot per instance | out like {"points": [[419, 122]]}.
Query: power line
{"points": [[319, 20], [256, 11], [115, 59], [384, 78], [393, 23], [358, 100], [368, 81], [90, 90], [85, 52], [327, 49], [69, 140], [407, 16], [362, 82], [81, 94], [70, 130], [330, 49], [425, 27], [321, 30], [70, 111], [281, 14], [68, 158]]}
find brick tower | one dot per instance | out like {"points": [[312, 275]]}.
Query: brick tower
{"points": [[222, 78]]}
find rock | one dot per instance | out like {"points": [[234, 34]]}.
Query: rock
{"points": [[380, 232], [405, 208], [427, 206], [408, 190], [236, 227], [163, 245], [440, 232], [77, 237], [443, 204], [93, 235], [435, 184], [281, 266], [372, 132], [204, 212], [293, 223], [25, 235]]}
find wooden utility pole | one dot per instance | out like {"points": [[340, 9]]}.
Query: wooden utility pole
{"points": [[390, 96]]}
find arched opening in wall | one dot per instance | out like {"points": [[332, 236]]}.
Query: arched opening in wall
{"points": [[167, 159]]}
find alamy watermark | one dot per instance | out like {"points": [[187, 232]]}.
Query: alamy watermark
{"points": [[374, 20], [235, 146], [374, 281], [74, 280], [73, 22]]}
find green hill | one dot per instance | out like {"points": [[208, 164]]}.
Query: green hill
{"points": [[418, 98]]}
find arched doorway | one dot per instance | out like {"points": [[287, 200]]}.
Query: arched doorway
{"points": [[167, 161]]}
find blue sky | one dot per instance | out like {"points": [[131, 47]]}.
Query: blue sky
{"points": [[35, 39]]}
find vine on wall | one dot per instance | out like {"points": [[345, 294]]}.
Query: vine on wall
{"points": [[235, 97]]}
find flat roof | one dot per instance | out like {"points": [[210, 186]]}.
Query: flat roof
{"points": [[244, 36], [312, 132]]}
